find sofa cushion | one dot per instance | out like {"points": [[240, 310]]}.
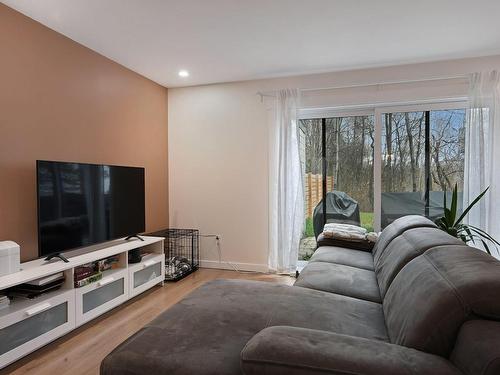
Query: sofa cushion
{"points": [[206, 331], [342, 255], [435, 293], [395, 229], [298, 351], [402, 249], [337, 278]]}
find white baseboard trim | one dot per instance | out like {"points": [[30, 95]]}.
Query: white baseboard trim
{"points": [[239, 266]]}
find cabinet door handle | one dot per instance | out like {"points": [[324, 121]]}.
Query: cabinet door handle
{"points": [[106, 281], [38, 309], [148, 263]]}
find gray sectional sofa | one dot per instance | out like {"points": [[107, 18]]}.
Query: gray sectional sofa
{"points": [[420, 303]]}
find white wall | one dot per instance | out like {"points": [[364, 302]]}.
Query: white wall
{"points": [[218, 169]]}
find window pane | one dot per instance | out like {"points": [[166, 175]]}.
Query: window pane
{"points": [[403, 162], [403, 165], [447, 148], [349, 157], [349, 176]]}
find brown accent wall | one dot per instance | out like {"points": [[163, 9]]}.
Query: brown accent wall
{"points": [[61, 101]]}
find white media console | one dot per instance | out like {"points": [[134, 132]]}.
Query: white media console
{"points": [[27, 325]]}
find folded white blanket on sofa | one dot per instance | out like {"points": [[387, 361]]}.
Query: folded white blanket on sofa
{"points": [[348, 232]]}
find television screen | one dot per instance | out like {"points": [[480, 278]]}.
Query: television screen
{"points": [[84, 204]]}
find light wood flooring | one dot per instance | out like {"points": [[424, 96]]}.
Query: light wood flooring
{"points": [[81, 351]]}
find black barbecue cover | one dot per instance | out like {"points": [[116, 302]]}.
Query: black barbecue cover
{"points": [[340, 208]]}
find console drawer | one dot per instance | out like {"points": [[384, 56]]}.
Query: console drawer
{"points": [[148, 273], [103, 295], [28, 325]]}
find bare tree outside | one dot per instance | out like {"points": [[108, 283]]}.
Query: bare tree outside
{"points": [[403, 161], [403, 146], [447, 149], [349, 156]]}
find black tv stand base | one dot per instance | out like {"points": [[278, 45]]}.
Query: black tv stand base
{"points": [[58, 255], [134, 236]]}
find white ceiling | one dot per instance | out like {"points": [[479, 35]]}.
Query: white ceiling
{"points": [[231, 40]]}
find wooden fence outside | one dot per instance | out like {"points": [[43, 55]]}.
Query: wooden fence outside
{"points": [[313, 189]]}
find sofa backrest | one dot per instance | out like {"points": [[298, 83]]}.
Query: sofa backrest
{"points": [[435, 293], [395, 229], [405, 247]]}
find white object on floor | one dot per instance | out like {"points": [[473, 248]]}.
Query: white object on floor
{"points": [[10, 260]]}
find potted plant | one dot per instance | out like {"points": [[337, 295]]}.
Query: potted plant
{"points": [[466, 232]]}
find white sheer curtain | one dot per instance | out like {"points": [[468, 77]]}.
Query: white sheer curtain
{"points": [[482, 152], [286, 197]]}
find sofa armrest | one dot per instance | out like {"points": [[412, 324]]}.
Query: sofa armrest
{"points": [[476, 350], [284, 350]]}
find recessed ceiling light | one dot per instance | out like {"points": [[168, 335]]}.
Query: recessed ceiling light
{"points": [[183, 73]]}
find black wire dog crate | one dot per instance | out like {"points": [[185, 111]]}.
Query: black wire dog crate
{"points": [[182, 252]]}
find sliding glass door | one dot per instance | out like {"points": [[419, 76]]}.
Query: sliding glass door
{"points": [[349, 156], [337, 162], [372, 166], [422, 155], [403, 165]]}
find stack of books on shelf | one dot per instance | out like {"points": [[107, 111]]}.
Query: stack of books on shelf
{"points": [[86, 274], [35, 288], [4, 301], [91, 272]]}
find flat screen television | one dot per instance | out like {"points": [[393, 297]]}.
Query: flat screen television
{"points": [[84, 204]]}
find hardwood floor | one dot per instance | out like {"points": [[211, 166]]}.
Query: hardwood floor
{"points": [[81, 351]]}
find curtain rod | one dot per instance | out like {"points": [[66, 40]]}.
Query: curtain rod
{"points": [[273, 92]]}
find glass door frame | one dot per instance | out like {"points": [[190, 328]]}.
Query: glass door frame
{"points": [[378, 112], [323, 114]]}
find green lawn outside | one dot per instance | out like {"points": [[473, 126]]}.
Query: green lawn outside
{"points": [[367, 220], [309, 228]]}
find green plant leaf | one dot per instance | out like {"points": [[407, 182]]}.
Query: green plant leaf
{"points": [[459, 230], [486, 247], [488, 238], [441, 223], [444, 200], [468, 231], [466, 211], [448, 217], [484, 234], [453, 208], [444, 204]]}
